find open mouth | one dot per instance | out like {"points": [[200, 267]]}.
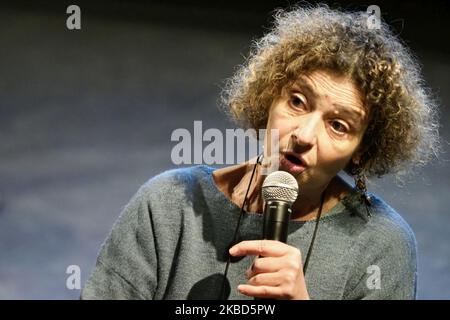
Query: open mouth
{"points": [[294, 160]]}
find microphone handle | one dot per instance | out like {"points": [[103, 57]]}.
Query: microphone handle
{"points": [[276, 220]]}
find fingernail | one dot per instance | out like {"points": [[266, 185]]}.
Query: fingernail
{"points": [[233, 250]]}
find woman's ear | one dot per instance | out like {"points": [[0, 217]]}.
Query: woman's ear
{"points": [[359, 154], [356, 157]]}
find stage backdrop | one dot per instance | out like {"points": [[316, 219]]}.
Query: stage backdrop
{"points": [[86, 117]]}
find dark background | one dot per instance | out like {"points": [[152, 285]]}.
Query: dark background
{"points": [[86, 117]]}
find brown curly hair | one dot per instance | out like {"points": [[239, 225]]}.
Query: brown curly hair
{"points": [[403, 128]]}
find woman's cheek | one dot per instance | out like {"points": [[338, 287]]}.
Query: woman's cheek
{"points": [[284, 130], [334, 158]]}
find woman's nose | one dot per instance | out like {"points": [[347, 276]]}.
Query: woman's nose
{"points": [[306, 132]]}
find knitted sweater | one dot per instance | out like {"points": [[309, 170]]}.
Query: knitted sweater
{"points": [[171, 242]]}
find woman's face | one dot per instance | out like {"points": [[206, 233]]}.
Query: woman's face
{"points": [[321, 121]]}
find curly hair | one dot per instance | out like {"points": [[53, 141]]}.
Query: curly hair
{"points": [[403, 128]]}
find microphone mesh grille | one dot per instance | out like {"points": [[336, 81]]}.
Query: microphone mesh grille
{"points": [[280, 185]]}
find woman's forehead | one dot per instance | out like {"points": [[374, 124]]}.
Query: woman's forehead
{"points": [[339, 92]]}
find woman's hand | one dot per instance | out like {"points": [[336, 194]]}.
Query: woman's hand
{"points": [[277, 271]]}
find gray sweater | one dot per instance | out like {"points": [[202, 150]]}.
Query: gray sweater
{"points": [[171, 242]]}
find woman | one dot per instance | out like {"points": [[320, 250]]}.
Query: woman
{"points": [[341, 97]]}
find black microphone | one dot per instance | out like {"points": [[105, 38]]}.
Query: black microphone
{"points": [[279, 191]]}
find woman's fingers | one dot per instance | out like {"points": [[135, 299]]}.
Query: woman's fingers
{"points": [[270, 264], [264, 248], [276, 272], [284, 284], [263, 291], [272, 279]]}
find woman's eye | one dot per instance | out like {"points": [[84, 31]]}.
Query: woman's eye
{"points": [[297, 102], [338, 126]]}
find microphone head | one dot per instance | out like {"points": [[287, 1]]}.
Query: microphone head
{"points": [[281, 186]]}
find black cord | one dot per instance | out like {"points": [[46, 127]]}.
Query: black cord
{"points": [[222, 290], [313, 239]]}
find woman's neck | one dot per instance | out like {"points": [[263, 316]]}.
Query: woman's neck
{"points": [[233, 182]]}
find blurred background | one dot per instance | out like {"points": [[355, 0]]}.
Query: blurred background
{"points": [[86, 117]]}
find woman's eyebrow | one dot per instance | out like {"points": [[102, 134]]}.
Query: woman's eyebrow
{"points": [[305, 86], [309, 90], [348, 112]]}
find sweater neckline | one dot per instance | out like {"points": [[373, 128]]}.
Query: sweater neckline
{"points": [[217, 194]]}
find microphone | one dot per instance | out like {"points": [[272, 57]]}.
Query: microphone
{"points": [[279, 191]]}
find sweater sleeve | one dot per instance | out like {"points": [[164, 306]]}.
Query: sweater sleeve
{"points": [[126, 266], [385, 265]]}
